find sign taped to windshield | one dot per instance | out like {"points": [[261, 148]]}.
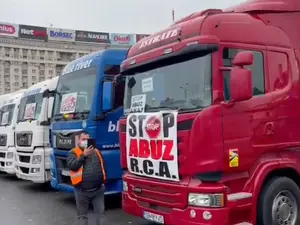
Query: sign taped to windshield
{"points": [[30, 110], [68, 103], [138, 103], [147, 84], [5, 117], [151, 143]]}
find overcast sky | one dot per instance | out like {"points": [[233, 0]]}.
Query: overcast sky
{"points": [[119, 16]]}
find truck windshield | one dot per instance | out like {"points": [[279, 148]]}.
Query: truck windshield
{"points": [[30, 107], [184, 86], [75, 93], [6, 114]]}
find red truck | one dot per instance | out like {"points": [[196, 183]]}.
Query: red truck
{"points": [[210, 133]]}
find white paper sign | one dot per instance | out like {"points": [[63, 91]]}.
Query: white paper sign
{"points": [[68, 103], [5, 117], [30, 111], [138, 103], [151, 145], [147, 84]]}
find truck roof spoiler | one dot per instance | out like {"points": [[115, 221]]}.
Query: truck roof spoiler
{"points": [[198, 14]]}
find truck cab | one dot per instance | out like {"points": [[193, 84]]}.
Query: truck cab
{"points": [[32, 133], [8, 117], [86, 99], [210, 131]]}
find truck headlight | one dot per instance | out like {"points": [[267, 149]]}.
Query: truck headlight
{"points": [[36, 159], [125, 186], [10, 155], [206, 200]]}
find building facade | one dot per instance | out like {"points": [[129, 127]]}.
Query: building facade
{"points": [[26, 62]]}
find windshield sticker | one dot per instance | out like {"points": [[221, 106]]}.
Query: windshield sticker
{"points": [[5, 117], [147, 84], [68, 103], [30, 111], [138, 103], [151, 143], [78, 66]]}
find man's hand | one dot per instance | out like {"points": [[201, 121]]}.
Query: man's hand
{"points": [[88, 151]]}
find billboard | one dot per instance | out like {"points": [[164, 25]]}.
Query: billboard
{"points": [[32, 32], [9, 29], [57, 34], [89, 36], [122, 39], [141, 36]]}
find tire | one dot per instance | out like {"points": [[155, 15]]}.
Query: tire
{"points": [[279, 203]]}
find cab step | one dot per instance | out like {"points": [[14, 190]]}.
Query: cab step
{"points": [[238, 196]]}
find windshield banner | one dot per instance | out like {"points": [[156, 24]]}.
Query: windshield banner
{"points": [[68, 103], [151, 143], [30, 111], [138, 103], [5, 117]]}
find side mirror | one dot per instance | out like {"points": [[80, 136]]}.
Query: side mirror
{"points": [[107, 96], [119, 79], [50, 108], [241, 88], [46, 93], [244, 58]]}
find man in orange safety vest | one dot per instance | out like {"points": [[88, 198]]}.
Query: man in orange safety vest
{"points": [[88, 175]]}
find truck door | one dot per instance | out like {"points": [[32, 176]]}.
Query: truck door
{"points": [[244, 121], [107, 129]]}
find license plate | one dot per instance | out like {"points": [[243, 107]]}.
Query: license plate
{"points": [[154, 217], [65, 172]]}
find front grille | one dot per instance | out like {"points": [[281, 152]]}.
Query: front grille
{"points": [[24, 159], [2, 154], [161, 195], [24, 139], [24, 170], [65, 141], [61, 164], [3, 140]]}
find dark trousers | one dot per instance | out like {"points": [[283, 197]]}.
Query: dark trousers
{"points": [[83, 199]]}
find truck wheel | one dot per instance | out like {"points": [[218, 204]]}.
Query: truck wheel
{"points": [[279, 202]]}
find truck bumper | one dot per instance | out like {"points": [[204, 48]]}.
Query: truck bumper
{"points": [[111, 187], [63, 183], [178, 216], [7, 162], [61, 187], [34, 166]]}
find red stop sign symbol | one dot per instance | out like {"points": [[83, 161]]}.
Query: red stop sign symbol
{"points": [[153, 127]]}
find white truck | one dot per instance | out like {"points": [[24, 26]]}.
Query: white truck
{"points": [[32, 133], [4, 98], [8, 119]]}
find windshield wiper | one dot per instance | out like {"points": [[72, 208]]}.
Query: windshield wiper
{"points": [[152, 109]]}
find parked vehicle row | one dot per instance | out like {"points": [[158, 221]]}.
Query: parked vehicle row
{"points": [[40, 124], [209, 128], [24, 132]]}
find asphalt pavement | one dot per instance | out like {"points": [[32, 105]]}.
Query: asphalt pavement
{"points": [[25, 203]]}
